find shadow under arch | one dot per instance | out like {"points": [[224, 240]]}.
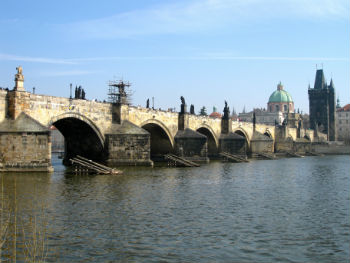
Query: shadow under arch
{"points": [[81, 137], [243, 133], [268, 134], [212, 141], [161, 140], [307, 137]]}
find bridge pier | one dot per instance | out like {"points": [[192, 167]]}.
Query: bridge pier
{"points": [[25, 146], [228, 141], [260, 143], [128, 144], [190, 144]]}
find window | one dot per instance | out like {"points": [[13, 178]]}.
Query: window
{"points": [[277, 108], [285, 107]]}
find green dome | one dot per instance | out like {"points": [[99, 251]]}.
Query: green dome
{"points": [[280, 96]]}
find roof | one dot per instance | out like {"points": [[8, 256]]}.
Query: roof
{"points": [[23, 123], [320, 82], [231, 136], [215, 114], [188, 133], [345, 108], [126, 128], [280, 96]]}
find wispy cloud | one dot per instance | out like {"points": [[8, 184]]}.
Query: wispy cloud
{"points": [[213, 56], [35, 59], [58, 73], [206, 56], [204, 15]]}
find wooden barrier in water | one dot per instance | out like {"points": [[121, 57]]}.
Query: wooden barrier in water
{"points": [[233, 157], [313, 154], [175, 160], [266, 155], [84, 165], [293, 154]]}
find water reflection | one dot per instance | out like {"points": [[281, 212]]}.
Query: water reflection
{"points": [[289, 210]]}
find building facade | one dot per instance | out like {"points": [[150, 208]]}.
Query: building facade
{"points": [[262, 116], [279, 105], [343, 123], [322, 106]]}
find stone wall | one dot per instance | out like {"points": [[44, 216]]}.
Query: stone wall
{"points": [[261, 146], [25, 152], [284, 145], [192, 145], [302, 146], [233, 144], [3, 104], [46, 108], [126, 149]]}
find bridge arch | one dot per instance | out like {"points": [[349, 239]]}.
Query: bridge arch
{"points": [[268, 134], [79, 117], [161, 140], [240, 131], [212, 141], [82, 136]]}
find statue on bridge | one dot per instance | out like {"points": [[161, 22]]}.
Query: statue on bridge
{"points": [[83, 94], [192, 109], [183, 105], [147, 104], [226, 111], [79, 93], [19, 70], [19, 78]]}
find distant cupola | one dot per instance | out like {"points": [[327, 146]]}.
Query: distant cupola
{"points": [[280, 100]]}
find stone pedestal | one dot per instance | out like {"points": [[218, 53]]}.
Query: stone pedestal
{"points": [[183, 120], [226, 125]]}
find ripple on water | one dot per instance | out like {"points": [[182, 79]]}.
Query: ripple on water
{"points": [[220, 212]]}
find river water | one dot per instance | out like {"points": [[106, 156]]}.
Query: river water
{"points": [[287, 210]]}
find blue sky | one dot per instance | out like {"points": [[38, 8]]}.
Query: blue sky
{"points": [[205, 50]]}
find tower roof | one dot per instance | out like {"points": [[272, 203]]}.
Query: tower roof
{"points": [[331, 85], [320, 82]]}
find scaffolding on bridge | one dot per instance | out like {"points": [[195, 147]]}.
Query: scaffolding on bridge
{"points": [[119, 92]]}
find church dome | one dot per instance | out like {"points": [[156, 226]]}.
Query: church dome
{"points": [[215, 114], [280, 95]]}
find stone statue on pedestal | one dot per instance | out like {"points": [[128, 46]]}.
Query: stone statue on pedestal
{"points": [[183, 105]]}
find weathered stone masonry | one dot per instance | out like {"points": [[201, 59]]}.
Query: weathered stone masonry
{"points": [[121, 134]]}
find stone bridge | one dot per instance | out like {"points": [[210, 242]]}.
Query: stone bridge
{"points": [[121, 134]]}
